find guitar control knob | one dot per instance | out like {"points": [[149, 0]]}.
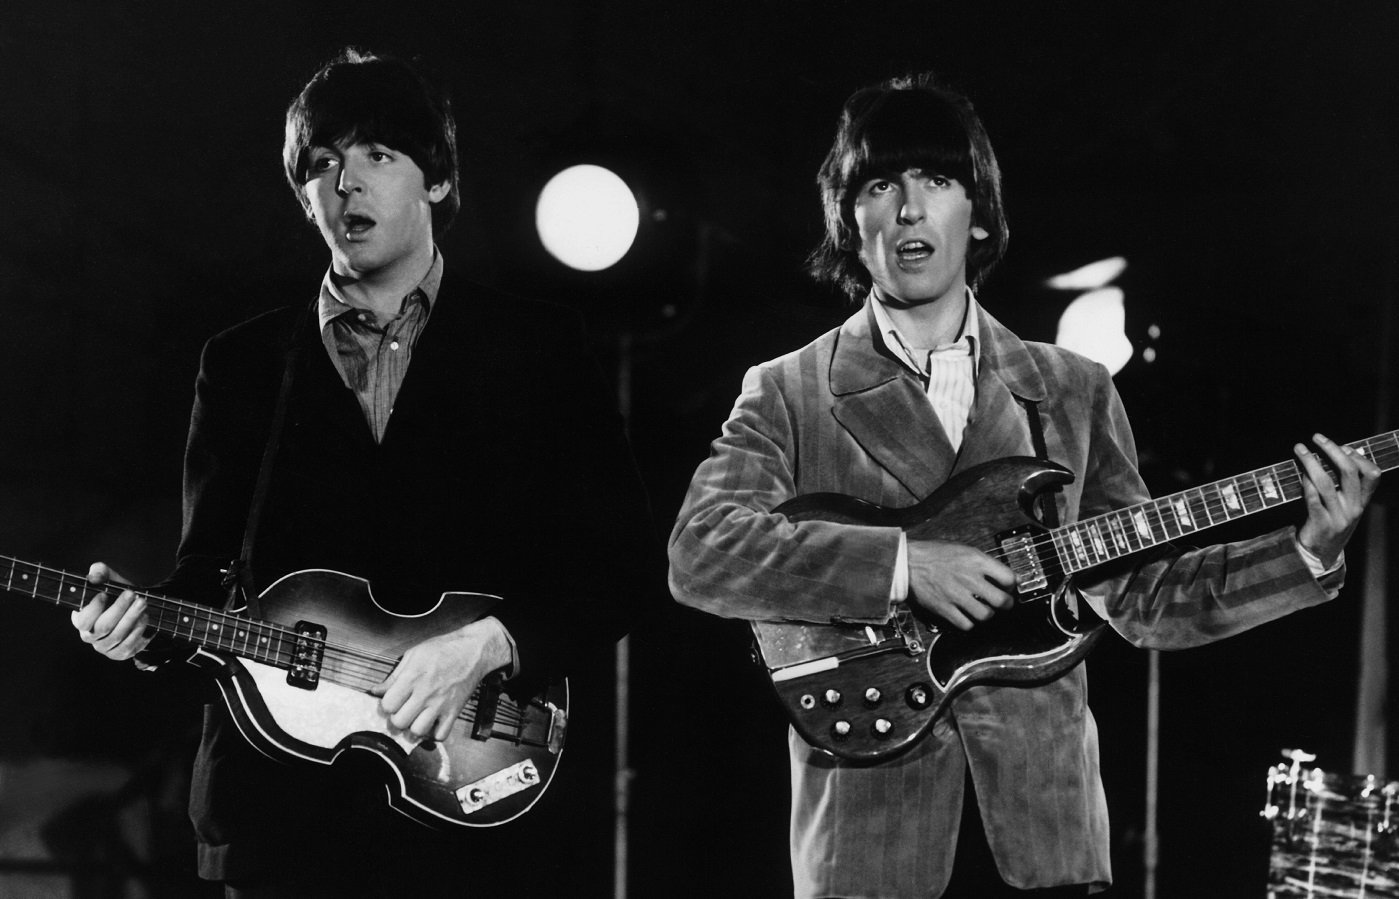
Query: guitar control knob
{"points": [[882, 728], [840, 730], [831, 698], [918, 696], [873, 697], [807, 701]]}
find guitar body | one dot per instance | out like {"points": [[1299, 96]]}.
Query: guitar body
{"points": [[499, 758], [868, 693]]}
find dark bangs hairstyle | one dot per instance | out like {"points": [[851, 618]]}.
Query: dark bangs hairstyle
{"points": [[359, 97], [912, 122]]}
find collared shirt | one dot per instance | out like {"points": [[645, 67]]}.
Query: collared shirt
{"points": [[948, 372], [373, 356]]}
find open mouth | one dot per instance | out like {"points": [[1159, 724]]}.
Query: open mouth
{"points": [[357, 225], [914, 251]]}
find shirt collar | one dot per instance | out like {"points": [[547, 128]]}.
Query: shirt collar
{"points": [[966, 338], [332, 303]]}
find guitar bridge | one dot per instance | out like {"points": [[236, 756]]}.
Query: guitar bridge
{"points": [[307, 654]]}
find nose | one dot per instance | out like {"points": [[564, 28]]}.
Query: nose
{"points": [[349, 181], [911, 209]]}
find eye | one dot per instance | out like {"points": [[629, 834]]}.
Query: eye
{"points": [[321, 163], [379, 156], [879, 186], [940, 180]]}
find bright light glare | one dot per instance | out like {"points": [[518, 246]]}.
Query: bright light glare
{"points": [[1095, 325], [587, 217], [1091, 276]]}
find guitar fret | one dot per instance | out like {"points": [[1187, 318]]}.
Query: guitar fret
{"points": [[1253, 494], [1076, 544], [74, 590], [1130, 537], [1164, 521], [1119, 537], [1183, 519], [28, 578], [1099, 545], [1203, 497], [1142, 526], [1232, 503]]}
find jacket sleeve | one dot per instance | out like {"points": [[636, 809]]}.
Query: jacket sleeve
{"points": [[732, 555], [223, 451], [1177, 597]]}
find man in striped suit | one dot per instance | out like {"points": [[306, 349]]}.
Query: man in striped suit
{"points": [[920, 384]]}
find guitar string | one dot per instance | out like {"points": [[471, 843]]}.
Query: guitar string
{"points": [[1287, 475], [366, 664]]}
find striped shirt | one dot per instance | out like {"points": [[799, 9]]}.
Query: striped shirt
{"points": [[948, 372], [372, 356]]}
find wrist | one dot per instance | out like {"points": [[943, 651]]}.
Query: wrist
{"points": [[498, 653]]}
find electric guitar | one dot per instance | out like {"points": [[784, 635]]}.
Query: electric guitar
{"points": [[867, 693], [297, 680]]}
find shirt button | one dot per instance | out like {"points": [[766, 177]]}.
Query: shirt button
{"points": [[393, 345]]}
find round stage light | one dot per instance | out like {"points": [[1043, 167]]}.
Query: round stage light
{"points": [[587, 217]]}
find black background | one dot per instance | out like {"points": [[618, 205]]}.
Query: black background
{"points": [[1241, 157]]}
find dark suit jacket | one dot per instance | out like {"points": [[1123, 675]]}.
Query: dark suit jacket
{"points": [[504, 469], [842, 415]]}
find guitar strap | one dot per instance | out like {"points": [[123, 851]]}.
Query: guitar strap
{"points": [[238, 577], [1046, 503]]}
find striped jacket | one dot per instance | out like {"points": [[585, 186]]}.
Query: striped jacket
{"points": [[842, 415]]}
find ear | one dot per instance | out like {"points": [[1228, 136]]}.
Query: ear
{"points": [[980, 233], [438, 191]]}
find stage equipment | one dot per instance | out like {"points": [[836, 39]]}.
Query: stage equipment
{"points": [[587, 217], [1334, 835]]}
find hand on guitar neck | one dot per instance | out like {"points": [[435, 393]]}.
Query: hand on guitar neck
{"points": [[1334, 506], [963, 586], [114, 627], [957, 583]]}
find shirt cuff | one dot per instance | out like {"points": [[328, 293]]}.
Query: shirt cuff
{"points": [[1314, 562], [898, 588]]}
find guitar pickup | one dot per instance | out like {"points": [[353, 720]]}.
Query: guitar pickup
{"points": [[307, 655], [494, 787]]}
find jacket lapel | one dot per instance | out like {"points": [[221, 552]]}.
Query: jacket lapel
{"points": [[1006, 375], [883, 406], [328, 403]]}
